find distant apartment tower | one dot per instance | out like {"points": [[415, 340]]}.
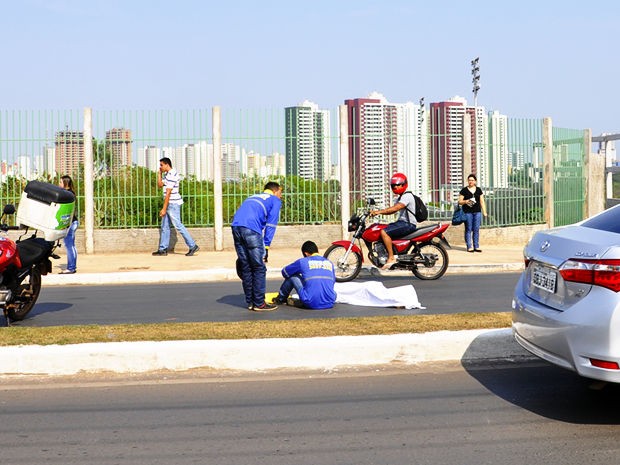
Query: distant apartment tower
{"points": [[449, 163], [413, 126], [499, 158], [308, 141], [148, 157], [374, 152], [118, 141], [69, 151], [231, 161]]}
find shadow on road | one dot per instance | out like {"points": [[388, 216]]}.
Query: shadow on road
{"points": [[545, 389], [49, 307]]}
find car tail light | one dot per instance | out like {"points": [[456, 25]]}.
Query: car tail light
{"points": [[604, 364], [598, 272]]}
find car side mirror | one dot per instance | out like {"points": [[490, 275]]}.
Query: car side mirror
{"points": [[9, 209]]}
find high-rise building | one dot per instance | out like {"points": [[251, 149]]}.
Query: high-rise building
{"points": [[498, 150], [118, 141], [385, 138], [413, 131], [231, 160], [308, 141], [447, 120], [69, 151], [148, 156]]}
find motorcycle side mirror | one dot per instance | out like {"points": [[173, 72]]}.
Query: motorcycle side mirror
{"points": [[371, 201], [9, 209]]}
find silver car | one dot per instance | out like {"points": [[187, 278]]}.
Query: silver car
{"points": [[566, 306]]}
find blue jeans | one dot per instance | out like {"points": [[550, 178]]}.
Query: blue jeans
{"points": [[173, 215], [472, 229], [69, 241], [250, 248], [290, 283]]}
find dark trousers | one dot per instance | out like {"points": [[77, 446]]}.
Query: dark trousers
{"points": [[250, 248]]}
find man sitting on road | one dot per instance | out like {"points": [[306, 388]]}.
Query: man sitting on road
{"points": [[312, 277]]}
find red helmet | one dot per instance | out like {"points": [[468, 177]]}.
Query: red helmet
{"points": [[398, 183]]}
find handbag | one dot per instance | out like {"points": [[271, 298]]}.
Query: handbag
{"points": [[458, 217]]}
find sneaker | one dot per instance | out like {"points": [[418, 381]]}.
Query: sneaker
{"points": [[251, 308], [279, 300], [68, 272], [264, 307], [161, 252], [192, 251]]}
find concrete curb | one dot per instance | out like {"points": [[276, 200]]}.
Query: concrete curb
{"points": [[227, 274], [322, 353]]}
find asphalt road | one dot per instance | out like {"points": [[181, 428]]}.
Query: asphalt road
{"points": [[486, 414], [223, 301]]}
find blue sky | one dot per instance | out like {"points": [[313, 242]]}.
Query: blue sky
{"points": [[537, 58]]}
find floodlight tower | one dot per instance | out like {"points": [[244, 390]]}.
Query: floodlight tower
{"points": [[421, 110], [475, 72]]}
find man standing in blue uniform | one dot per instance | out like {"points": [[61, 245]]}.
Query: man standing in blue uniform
{"points": [[253, 228], [312, 277]]}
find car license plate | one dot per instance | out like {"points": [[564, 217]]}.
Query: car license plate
{"points": [[544, 278]]}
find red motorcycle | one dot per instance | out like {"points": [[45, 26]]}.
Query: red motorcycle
{"points": [[422, 251], [22, 263]]}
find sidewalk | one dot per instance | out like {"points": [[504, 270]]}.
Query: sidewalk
{"points": [[219, 266]]}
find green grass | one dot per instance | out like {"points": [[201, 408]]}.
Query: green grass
{"points": [[252, 329]]}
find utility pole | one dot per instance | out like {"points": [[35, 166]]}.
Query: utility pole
{"points": [[475, 72]]}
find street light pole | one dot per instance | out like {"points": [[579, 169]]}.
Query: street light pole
{"points": [[475, 72]]}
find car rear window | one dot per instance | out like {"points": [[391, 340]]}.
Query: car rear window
{"points": [[609, 220]]}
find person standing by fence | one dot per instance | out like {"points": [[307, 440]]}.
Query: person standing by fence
{"points": [[169, 179], [471, 198], [69, 240], [253, 228]]}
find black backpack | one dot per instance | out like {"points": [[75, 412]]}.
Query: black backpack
{"points": [[421, 212]]}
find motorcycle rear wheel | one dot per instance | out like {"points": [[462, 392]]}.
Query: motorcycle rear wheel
{"points": [[436, 261], [345, 271], [26, 296]]}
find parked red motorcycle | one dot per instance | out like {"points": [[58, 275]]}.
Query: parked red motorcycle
{"points": [[422, 251], [22, 263]]}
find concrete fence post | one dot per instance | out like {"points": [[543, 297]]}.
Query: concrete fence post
{"points": [[89, 184], [548, 172], [594, 172], [218, 204], [343, 155]]}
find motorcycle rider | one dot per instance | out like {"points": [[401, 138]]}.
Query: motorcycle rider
{"points": [[406, 222]]}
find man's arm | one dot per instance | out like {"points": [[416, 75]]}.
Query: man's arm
{"points": [[390, 210], [272, 221], [164, 209], [160, 181], [293, 268]]}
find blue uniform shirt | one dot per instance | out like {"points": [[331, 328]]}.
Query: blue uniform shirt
{"points": [[317, 274], [260, 213]]}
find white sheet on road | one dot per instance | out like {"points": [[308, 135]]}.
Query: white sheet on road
{"points": [[375, 294]]}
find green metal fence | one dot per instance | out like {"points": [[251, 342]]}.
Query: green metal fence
{"points": [[261, 145], [254, 150], [515, 194], [569, 153]]}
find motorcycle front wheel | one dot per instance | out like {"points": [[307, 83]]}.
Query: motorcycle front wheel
{"points": [[26, 296], [346, 270], [431, 261]]}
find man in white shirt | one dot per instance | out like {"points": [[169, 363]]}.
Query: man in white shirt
{"points": [[168, 179]]}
